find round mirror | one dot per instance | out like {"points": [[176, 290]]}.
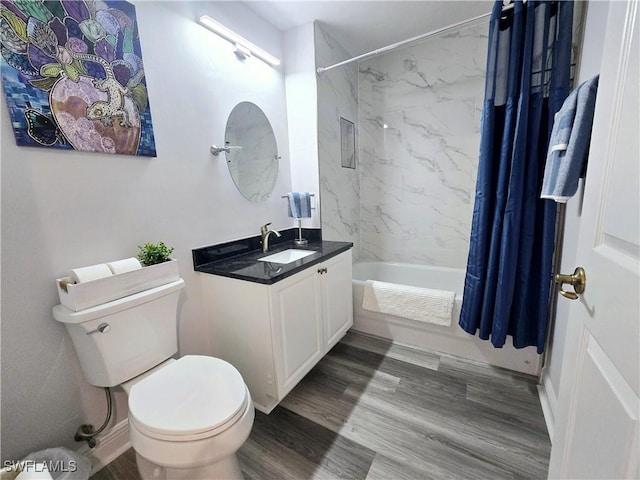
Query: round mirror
{"points": [[252, 155]]}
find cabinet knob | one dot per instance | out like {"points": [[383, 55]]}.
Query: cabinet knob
{"points": [[322, 270]]}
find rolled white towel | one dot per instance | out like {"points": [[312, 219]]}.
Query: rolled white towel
{"points": [[124, 266], [86, 274]]}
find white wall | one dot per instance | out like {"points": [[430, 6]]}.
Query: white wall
{"points": [[64, 209], [337, 97], [410, 198], [302, 113], [591, 55], [420, 110]]}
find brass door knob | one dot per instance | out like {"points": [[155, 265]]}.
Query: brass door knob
{"points": [[577, 280]]}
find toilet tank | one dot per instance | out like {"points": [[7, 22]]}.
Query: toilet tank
{"points": [[140, 333]]}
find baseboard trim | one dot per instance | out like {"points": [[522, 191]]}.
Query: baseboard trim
{"points": [[548, 401], [110, 446]]}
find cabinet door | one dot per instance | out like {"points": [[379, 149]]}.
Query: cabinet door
{"points": [[297, 327], [337, 298], [237, 316]]}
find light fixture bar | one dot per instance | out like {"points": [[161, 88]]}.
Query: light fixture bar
{"points": [[239, 40]]}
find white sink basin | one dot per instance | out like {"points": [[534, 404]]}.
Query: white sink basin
{"points": [[287, 256]]}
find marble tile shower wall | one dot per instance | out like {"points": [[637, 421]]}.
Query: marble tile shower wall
{"points": [[337, 97], [419, 124]]}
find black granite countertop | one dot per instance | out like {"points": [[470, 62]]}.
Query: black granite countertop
{"points": [[239, 259]]}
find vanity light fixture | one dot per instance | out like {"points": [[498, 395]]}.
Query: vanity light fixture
{"points": [[244, 48]]}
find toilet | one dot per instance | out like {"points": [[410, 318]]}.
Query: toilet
{"points": [[187, 417]]}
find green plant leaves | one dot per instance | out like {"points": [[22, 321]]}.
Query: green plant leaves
{"points": [[152, 253]]}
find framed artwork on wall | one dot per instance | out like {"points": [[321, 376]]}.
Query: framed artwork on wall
{"points": [[73, 76], [348, 143]]}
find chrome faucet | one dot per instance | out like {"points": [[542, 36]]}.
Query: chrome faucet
{"points": [[265, 232]]}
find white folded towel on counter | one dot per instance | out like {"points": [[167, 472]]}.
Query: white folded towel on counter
{"points": [[415, 303]]}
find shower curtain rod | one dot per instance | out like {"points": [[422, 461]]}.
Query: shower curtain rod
{"points": [[379, 51]]}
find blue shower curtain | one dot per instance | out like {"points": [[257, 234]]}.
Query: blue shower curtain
{"points": [[508, 277]]}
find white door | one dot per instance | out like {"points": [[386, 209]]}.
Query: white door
{"points": [[597, 431]]}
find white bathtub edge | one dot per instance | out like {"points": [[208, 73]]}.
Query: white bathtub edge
{"points": [[447, 340]]}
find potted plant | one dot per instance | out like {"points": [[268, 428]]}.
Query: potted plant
{"points": [[154, 253]]}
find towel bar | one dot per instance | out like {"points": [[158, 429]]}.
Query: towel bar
{"points": [[311, 195]]}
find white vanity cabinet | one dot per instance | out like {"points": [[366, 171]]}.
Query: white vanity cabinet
{"points": [[274, 334], [337, 298]]}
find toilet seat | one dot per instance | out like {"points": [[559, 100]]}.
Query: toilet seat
{"points": [[192, 398]]}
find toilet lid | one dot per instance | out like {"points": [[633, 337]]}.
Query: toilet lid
{"points": [[193, 395]]}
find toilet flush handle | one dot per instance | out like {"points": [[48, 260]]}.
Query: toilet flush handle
{"points": [[102, 328]]}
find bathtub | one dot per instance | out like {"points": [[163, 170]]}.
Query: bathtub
{"points": [[450, 340]]}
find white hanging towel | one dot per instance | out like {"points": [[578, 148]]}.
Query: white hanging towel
{"points": [[415, 303]]}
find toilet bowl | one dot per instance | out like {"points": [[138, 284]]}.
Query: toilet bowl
{"points": [[187, 419]]}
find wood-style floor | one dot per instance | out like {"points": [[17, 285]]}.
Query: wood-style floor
{"points": [[374, 410]]}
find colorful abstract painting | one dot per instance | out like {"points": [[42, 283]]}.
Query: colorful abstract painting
{"points": [[73, 76]]}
